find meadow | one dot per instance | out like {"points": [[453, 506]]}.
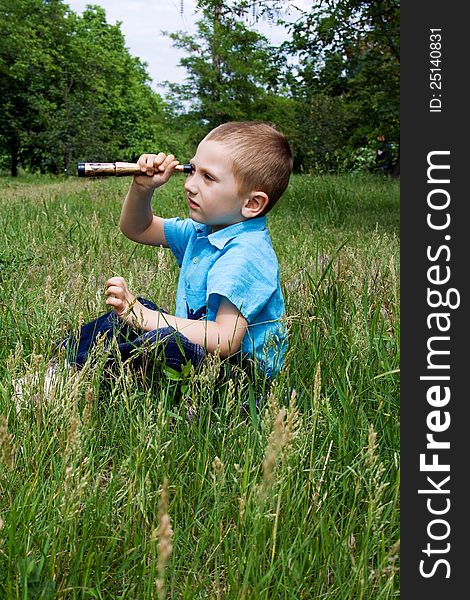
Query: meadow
{"points": [[184, 486]]}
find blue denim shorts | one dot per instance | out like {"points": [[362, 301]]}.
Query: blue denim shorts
{"points": [[132, 344]]}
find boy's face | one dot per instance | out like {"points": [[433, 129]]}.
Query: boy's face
{"points": [[211, 189]]}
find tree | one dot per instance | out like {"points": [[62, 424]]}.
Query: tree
{"points": [[70, 89], [28, 70], [233, 72], [108, 109], [349, 50]]}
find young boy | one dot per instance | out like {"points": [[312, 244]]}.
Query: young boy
{"points": [[228, 298]]}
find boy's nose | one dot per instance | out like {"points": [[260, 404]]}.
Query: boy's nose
{"points": [[189, 185]]}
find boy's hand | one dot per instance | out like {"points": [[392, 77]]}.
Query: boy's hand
{"points": [[156, 169], [120, 298]]}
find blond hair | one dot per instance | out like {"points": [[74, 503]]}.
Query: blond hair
{"points": [[262, 158]]}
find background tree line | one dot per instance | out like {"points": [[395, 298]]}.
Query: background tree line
{"points": [[70, 89]]}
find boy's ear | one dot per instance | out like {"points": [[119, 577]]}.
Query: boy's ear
{"points": [[255, 204]]}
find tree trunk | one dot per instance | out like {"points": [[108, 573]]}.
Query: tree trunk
{"points": [[216, 48], [14, 147]]}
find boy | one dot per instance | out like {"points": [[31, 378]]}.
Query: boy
{"points": [[229, 298]]}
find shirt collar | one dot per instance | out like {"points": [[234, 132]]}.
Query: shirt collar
{"points": [[220, 238]]}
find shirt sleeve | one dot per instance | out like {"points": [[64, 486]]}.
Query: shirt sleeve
{"points": [[178, 233], [246, 282]]}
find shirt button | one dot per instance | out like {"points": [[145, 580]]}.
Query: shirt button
{"points": [[195, 260]]}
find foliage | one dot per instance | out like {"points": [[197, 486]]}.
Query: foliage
{"points": [[324, 125], [232, 73], [29, 49], [73, 91], [348, 54]]}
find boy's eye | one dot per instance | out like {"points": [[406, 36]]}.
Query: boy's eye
{"points": [[208, 177]]}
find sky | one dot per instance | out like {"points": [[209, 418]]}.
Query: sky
{"points": [[143, 21]]}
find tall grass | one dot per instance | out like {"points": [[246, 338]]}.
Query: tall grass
{"points": [[114, 486]]}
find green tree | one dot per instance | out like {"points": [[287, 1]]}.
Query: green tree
{"points": [[31, 34], [108, 109], [233, 73], [349, 62], [70, 89]]}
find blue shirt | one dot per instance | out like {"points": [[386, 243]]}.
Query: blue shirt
{"points": [[237, 262]]}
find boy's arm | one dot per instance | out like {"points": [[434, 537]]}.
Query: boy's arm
{"points": [[224, 334], [137, 221]]}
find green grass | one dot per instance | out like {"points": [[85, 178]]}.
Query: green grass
{"points": [[297, 500]]}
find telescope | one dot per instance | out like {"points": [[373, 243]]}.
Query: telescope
{"points": [[119, 169]]}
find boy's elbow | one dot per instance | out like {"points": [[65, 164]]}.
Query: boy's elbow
{"points": [[227, 346], [125, 230], [228, 349], [223, 347], [226, 336]]}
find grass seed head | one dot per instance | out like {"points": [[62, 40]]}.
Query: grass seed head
{"points": [[218, 467], [317, 387], [230, 396], [241, 508], [293, 422], [276, 443], [7, 449], [164, 535], [89, 400], [372, 447], [73, 443]]}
